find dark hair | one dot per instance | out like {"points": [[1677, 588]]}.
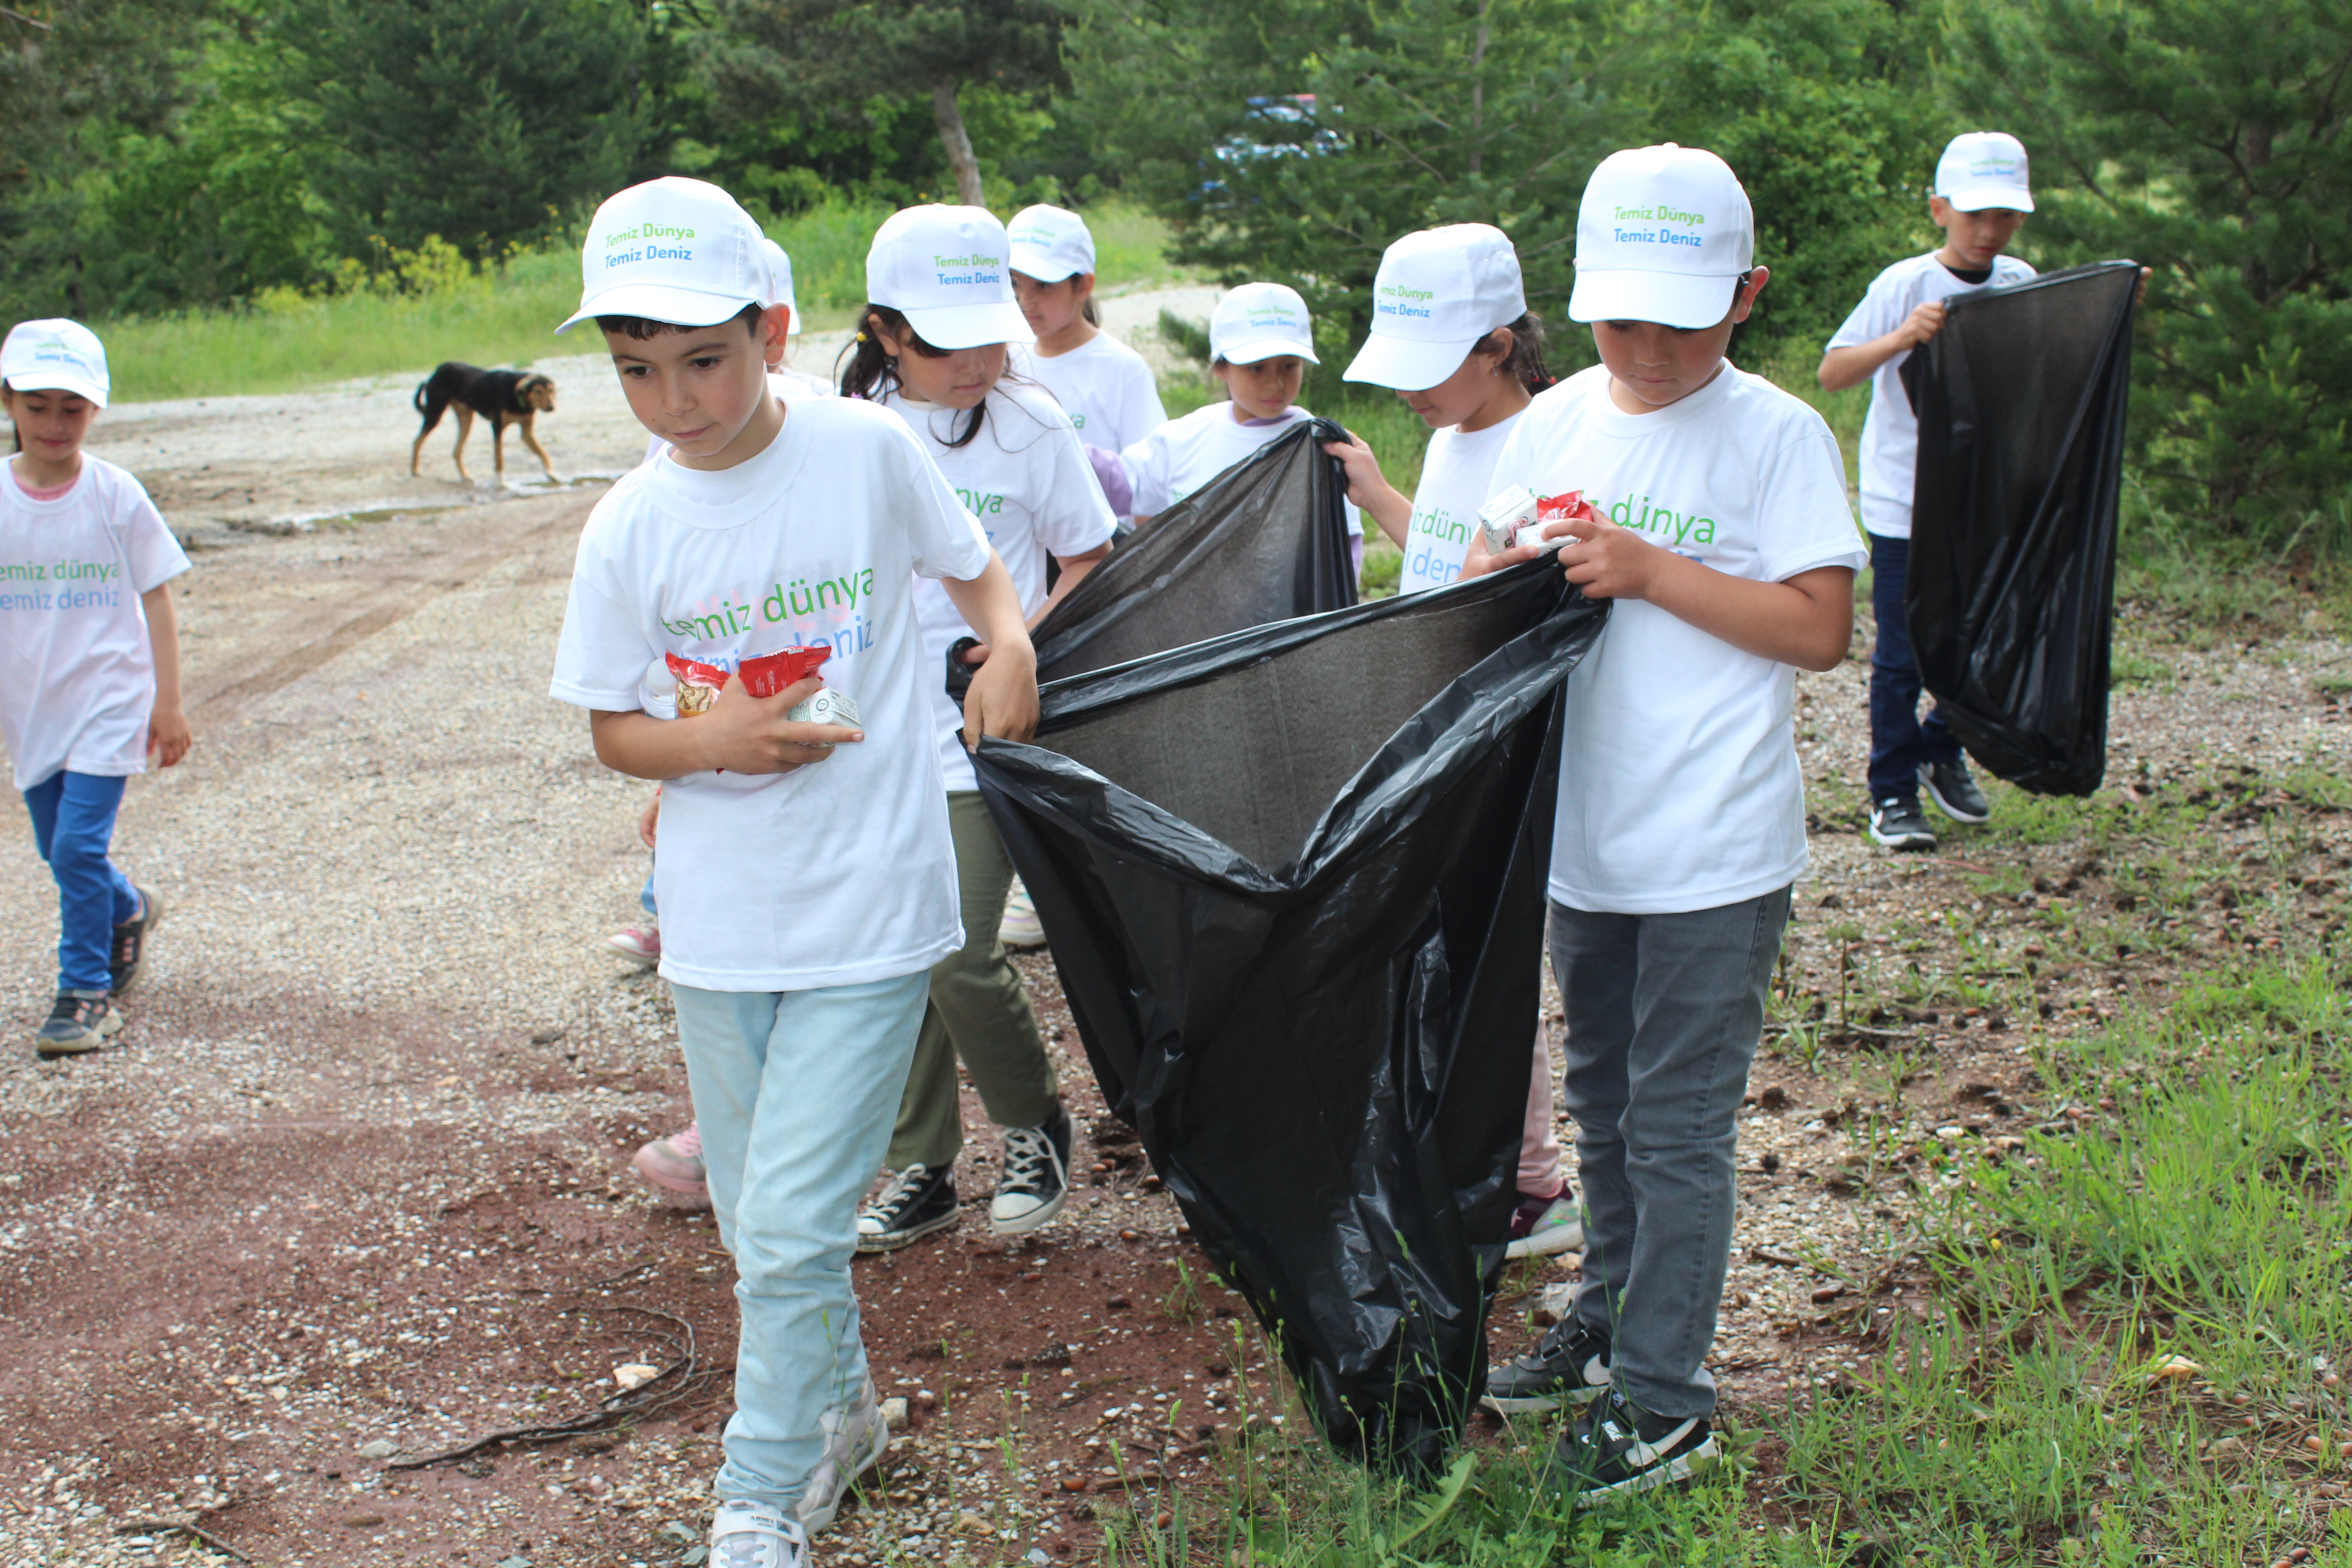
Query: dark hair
{"points": [[873, 372], [1526, 360], [639, 328]]}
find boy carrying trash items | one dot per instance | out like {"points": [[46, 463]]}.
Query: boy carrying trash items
{"points": [[807, 880], [1680, 824], [1980, 201]]}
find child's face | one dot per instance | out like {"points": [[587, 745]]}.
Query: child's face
{"points": [[1652, 365], [1051, 308], [1262, 390], [1461, 395], [959, 378], [1975, 239], [51, 423], [701, 388]]}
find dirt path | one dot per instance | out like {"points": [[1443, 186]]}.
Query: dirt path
{"points": [[348, 1191]]}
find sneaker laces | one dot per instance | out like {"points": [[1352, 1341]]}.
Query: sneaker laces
{"points": [[904, 1188], [1029, 1158], [688, 1143]]}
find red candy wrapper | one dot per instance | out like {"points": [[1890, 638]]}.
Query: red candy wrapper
{"points": [[1569, 507], [698, 684]]}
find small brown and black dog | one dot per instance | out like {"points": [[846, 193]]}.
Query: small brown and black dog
{"points": [[503, 397]]}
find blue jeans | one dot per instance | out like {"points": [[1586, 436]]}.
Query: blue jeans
{"points": [[1901, 743], [794, 1092], [73, 827], [1664, 1013]]}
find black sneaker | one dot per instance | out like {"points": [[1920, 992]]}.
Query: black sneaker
{"points": [[131, 942], [1954, 790], [81, 1021], [1568, 1366], [1898, 822], [919, 1200], [1036, 1179], [1614, 1450]]}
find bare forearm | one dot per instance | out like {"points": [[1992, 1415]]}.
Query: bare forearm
{"points": [[1075, 571], [645, 747], [164, 640], [990, 606], [1857, 362], [1807, 621]]}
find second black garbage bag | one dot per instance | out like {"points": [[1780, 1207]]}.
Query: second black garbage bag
{"points": [[2012, 584], [1264, 541], [1295, 877]]}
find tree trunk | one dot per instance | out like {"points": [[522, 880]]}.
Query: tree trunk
{"points": [[953, 137]]}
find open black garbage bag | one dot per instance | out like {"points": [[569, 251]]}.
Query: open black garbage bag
{"points": [[1264, 541], [2011, 583], [1295, 877]]}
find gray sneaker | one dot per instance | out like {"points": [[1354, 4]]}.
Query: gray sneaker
{"points": [[81, 1021], [1955, 790], [1899, 824], [1570, 1365], [854, 1439]]}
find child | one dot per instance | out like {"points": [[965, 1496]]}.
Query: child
{"points": [[788, 382], [933, 353], [1453, 336], [807, 881], [1681, 821], [1261, 342], [1108, 391], [89, 674], [1981, 202]]}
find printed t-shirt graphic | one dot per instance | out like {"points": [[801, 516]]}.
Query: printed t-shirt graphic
{"points": [[1457, 478], [76, 671], [1104, 385], [1188, 452], [1890, 431], [1679, 781], [837, 873], [1024, 477]]}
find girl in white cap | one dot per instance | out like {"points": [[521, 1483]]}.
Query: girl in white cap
{"points": [[1106, 388], [90, 662], [1453, 336], [1261, 342], [932, 347]]}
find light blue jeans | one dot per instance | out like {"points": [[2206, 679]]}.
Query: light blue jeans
{"points": [[794, 1092]]}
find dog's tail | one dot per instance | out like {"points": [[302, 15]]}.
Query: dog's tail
{"points": [[417, 402]]}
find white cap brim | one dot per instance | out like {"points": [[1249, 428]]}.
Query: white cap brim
{"points": [[1403, 364], [57, 381], [660, 302], [1258, 349], [1041, 265], [1672, 299], [1979, 198], [970, 326]]}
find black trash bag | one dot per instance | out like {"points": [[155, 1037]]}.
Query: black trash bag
{"points": [[1264, 541], [1295, 881], [2011, 589]]}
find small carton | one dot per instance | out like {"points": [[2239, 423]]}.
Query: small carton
{"points": [[1500, 520], [823, 706]]}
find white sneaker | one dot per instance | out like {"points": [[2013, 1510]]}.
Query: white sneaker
{"points": [[1020, 926], [854, 1439], [1557, 1227], [753, 1535]]}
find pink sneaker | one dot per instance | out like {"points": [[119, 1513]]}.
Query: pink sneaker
{"points": [[672, 1166], [638, 944]]}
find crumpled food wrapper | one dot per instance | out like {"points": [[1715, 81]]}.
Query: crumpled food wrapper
{"points": [[1517, 516]]}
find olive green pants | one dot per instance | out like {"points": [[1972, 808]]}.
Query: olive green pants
{"points": [[978, 1011]]}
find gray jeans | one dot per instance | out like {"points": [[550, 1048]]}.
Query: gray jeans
{"points": [[1664, 1012]]}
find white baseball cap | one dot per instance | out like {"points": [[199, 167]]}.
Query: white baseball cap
{"points": [[1260, 320], [55, 355], [1982, 169], [1664, 234], [779, 282], [1050, 244], [1438, 292], [945, 268], [672, 249]]}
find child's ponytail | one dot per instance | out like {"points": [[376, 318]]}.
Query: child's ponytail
{"points": [[1526, 358], [873, 373]]}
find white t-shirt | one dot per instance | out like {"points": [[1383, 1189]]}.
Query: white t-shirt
{"points": [[1185, 453], [843, 871], [789, 385], [1890, 431], [76, 671], [1104, 385], [1679, 788], [1024, 477], [1457, 478]]}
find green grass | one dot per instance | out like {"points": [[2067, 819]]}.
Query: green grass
{"points": [[501, 315]]}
